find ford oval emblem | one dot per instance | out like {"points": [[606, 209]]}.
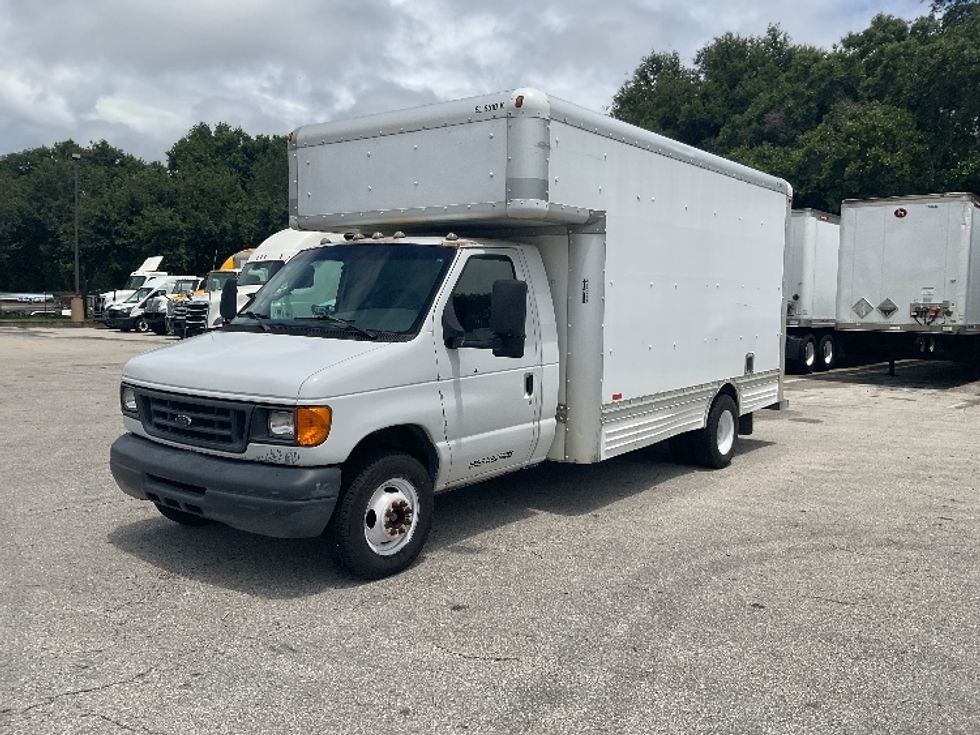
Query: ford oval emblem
{"points": [[183, 419]]}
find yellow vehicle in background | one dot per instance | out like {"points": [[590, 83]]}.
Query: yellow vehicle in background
{"points": [[213, 282]]}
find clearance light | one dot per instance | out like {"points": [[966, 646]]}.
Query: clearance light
{"points": [[312, 425], [519, 100]]}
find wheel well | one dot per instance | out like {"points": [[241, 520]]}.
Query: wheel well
{"points": [[729, 390], [410, 439]]}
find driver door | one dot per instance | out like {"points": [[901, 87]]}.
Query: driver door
{"points": [[492, 404]]}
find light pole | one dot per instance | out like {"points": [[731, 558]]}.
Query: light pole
{"points": [[77, 308]]}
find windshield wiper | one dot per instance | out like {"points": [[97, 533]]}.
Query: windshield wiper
{"points": [[259, 319], [346, 324]]}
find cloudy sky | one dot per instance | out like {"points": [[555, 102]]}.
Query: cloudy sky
{"points": [[139, 73]]}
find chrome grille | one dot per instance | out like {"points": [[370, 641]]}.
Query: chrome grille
{"points": [[197, 314], [196, 421]]}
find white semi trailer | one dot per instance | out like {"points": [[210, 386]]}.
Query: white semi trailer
{"points": [[909, 279], [810, 289], [523, 280]]}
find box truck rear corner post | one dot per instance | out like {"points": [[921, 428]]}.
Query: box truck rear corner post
{"points": [[521, 280]]}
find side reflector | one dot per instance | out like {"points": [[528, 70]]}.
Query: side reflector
{"points": [[617, 396]]}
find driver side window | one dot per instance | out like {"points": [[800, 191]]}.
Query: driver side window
{"points": [[471, 296]]}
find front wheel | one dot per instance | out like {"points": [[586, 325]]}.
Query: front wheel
{"points": [[714, 445], [383, 516], [141, 326]]}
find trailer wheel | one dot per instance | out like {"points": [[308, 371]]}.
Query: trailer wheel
{"points": [[182, 517], [383, 516], [808, 355], [714, 445], [826, 353]]}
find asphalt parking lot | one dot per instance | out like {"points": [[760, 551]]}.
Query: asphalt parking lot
{"points": [[827, 582]]}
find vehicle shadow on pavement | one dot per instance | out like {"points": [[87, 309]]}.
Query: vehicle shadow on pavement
{"points": [[563, 490], [290, 568], [912, 374], [224, 557]]}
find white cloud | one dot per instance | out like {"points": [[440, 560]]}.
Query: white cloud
{"points": [[140, 73]]}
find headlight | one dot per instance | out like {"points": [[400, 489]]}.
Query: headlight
{"points": [[308, 426], [281, 424], [127, 398]]}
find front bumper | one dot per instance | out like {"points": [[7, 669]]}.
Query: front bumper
{"points": [[115, 320], [271, 500]]}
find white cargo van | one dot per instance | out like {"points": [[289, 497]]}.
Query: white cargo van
{"points": [[143, 276], [525, 280]]}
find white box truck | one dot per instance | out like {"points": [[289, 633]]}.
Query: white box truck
{"points": [[522, 280], [811, 291], [909, 279]]}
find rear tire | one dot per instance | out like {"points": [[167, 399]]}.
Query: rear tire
{"points": [[181, 517], [826, 353], [383, 516], [714, 445], [808, 355]]}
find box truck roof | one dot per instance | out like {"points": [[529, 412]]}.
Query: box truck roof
{"points": [[947, 196], [518, 155]]}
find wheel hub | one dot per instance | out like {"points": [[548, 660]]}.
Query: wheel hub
{"points": [[391, 516]]}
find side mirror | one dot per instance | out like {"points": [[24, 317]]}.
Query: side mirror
{"points": [[452, 330], [229, 300], [508, 312]]}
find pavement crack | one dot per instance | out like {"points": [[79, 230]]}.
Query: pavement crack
{"points": [[121, 725], [834, 600], [74, 692], [476, 657]]}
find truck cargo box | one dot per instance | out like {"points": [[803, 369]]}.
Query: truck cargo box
{"points": [[664, 262], [910, 264], [811, 268]]}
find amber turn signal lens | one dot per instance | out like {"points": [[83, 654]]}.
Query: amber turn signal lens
{"points": [[312, 425]]}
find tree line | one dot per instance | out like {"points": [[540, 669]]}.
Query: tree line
{"points": [[893, 109], [220, 190]]}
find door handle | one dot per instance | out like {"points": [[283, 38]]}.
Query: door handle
{"points": [[528, 384]]}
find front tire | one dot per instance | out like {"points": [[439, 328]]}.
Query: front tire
{"points": [[383, 516], [141, 326], [714, 445]]}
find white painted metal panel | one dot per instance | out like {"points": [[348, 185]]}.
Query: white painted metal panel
{"points": [[447, 166], [903, 251], [811, 266], [693, 271]]}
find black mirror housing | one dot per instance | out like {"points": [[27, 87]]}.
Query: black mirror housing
{"points": [[508, 312], [229, 300]]}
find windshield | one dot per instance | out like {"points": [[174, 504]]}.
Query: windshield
{"points": [[354, 291], [217, 279], [258, 272], [139, 295], [134, 282]]}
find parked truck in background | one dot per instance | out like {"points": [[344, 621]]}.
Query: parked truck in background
{"points": [[525, 280], [138, 312], [187, 313], [811, 291], [142, 276], [203, 312], [909, 278]]}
